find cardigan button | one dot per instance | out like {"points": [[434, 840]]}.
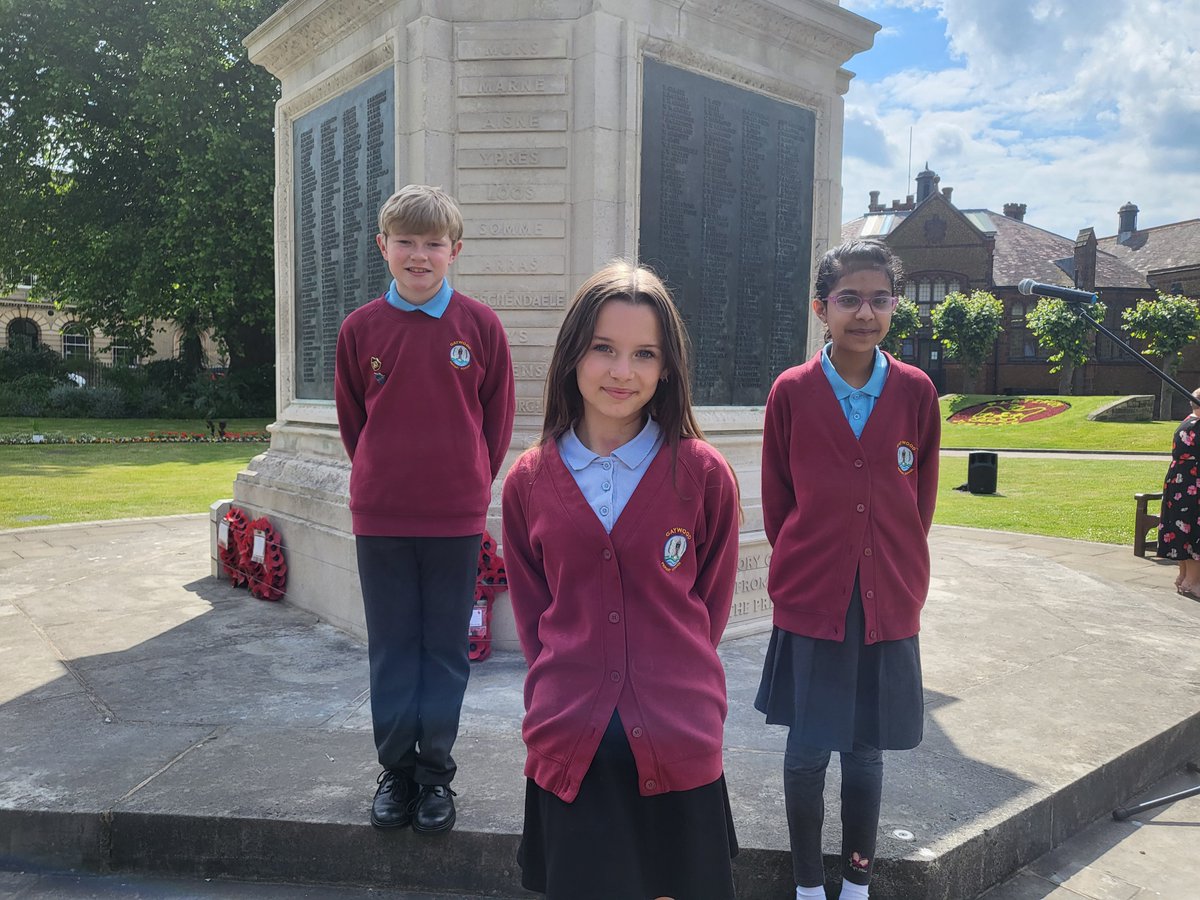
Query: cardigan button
{"points": [[651, 784], [607, 554], [614, 617], [860, 507], [867, 551], [872, 634], [614, 676], [858, 464], [636, 731], [870, 595]]}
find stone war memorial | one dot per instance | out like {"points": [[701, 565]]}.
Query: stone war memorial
{"points": [[702, 138]]}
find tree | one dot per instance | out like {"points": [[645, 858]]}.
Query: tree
{"points": [[906, 319], [137, 165], [1168, 324], [1059, 329], [968, 328]]}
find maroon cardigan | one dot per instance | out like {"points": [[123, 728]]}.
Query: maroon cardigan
{"points": [[835, 505], [425, 408], [613, 621]]}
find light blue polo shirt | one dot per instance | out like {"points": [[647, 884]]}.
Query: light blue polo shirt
{"points": [[856, 403], [607, 482], [434, 306]]}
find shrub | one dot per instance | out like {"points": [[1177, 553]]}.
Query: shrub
{"points": [[106, 403], [16, 363], [68, 401]]}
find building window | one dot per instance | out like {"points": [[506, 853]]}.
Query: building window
{"points": [[122, 354], [23, 334], [76, 342], [928, 291], [1023, 345]]}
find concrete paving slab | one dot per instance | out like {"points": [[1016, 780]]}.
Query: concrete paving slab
{"points": [[1152, 855], [156, 719]]}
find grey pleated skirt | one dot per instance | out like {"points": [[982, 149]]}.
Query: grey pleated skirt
{"points": [[842, 692]]}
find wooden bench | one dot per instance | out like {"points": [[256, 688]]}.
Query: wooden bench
{"points": [[1143, 521]]}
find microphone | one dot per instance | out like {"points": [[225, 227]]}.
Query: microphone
{"points": [[1070, 295]]}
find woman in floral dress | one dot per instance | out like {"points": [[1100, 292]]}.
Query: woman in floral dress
{"points": [[1179, 521]]}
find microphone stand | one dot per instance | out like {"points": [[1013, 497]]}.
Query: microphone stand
{"points": [[1121, 813], [1078, 309]]}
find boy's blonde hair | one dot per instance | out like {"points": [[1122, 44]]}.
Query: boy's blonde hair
{"points": [[421, 209]]}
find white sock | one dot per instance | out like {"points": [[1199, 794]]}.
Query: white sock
{"points": [[812, 893], [852, 891]]}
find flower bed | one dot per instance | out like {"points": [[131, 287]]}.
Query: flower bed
{"points": [[153, 437]]}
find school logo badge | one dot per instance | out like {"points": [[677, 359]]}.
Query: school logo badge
{"points": [[377, 369], [906, 457], [460, 354], [675, 548]]}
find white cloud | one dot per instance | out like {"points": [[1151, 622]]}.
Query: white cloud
{"points": [[1070, 106]]}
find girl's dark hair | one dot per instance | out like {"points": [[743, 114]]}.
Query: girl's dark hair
{"points": [[854, 256], [626, 282]]}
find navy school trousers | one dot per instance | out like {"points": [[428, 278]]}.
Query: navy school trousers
{"points": [[417, 594]]}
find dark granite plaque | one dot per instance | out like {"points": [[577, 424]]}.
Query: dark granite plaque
{"points": [[726, 219], [343, 155]]}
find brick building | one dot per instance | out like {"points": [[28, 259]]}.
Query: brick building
{"points": [[945, 249], [28, 322]]}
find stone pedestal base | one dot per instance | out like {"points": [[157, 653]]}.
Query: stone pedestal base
{"points": [[302, 484]]}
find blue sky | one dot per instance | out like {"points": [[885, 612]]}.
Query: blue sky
{"points": [[1072, 107]]}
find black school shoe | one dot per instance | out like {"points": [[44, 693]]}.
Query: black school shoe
{"points": [[433, 810], [393, 803]]}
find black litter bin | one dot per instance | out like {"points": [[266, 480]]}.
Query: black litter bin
{"points": [[981, 472]]}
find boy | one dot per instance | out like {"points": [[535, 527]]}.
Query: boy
{"points": [[425, 404]]}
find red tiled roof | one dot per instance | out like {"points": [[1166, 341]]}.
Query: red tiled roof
{"points": [[1022, 251]]}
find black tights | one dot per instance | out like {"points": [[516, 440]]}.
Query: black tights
{"points": [[804, 795]]}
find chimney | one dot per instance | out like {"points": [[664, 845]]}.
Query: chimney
{"points": [[926, 183], [1015, 211], [874, 206], [946, 192], [1085, 260], [1128, 216]]}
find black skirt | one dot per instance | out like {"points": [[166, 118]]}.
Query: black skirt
{"points": [[838, 693], [611, 843]]}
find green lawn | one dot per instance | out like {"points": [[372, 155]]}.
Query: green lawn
{"points": [[50, 484], [1070, 430], [16, 427], [1085, 499]]}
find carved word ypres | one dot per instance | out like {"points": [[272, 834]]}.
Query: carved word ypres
{"points": [[510, 157]]}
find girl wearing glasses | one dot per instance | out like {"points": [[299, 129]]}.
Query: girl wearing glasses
{"points": [[849, 472]]}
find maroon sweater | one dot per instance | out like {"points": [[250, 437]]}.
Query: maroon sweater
{"points": [[425, 408], [835, 505], [615, 621]]}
